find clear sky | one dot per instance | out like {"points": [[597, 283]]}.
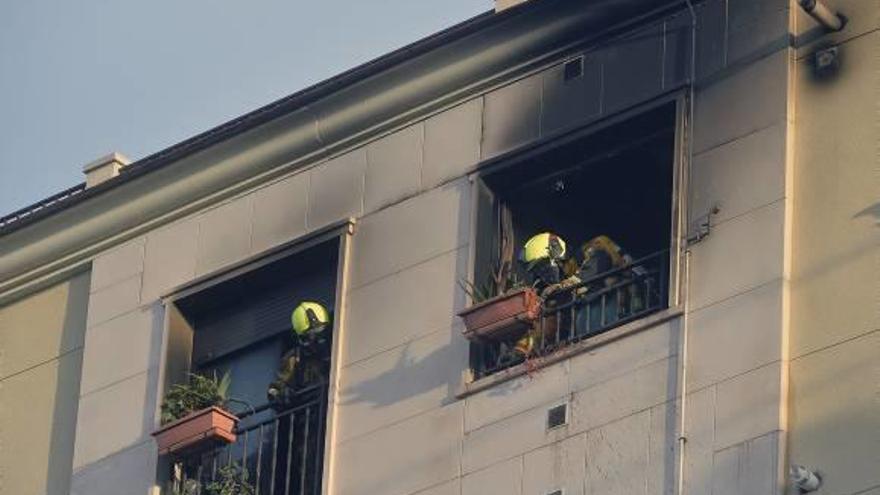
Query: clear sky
{"points": [[81, 78]]}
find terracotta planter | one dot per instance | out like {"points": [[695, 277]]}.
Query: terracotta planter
{"points": [[199, 430], [502, 317]]}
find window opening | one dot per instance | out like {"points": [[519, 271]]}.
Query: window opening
{"points": [[271, 330], [586, 224]]}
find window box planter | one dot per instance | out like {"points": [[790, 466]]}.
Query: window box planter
{"points": [[199, 430], [503, 316]]}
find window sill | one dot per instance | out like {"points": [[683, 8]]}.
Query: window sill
{"points": [[476, 386]]}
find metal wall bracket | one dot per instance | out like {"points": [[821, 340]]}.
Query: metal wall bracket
{"points": [[704, 228]]}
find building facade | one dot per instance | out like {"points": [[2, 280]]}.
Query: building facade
{"points": [[729, 146]]}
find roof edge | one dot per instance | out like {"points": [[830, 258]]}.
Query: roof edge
{"points": [[298, 130]]}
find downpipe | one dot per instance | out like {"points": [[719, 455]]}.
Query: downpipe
{"points": [[681, 437]]}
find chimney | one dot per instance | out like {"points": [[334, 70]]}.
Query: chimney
{"points": [[506, 4], [104, 168]]}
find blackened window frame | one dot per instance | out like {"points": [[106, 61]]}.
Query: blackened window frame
{"points": [[480, 215]]}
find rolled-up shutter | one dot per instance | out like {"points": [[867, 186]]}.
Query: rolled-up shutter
{"points": [[257, 305]]}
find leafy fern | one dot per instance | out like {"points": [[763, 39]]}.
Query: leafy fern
{"points": [[199, 393]]}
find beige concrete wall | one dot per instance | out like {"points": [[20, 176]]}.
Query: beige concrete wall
{"points": [[41, 346], [835, 308], [399, 427], [412, 225]]}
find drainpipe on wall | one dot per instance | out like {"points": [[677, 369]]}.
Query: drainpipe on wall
{"points": [[104, 168], [682, 372]]}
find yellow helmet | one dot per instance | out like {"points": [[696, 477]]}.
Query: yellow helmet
{"points": [[308, 315], [525, 345], [544, 245], [604, 243]]}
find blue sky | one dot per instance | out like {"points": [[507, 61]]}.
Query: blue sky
{"points": [[79, 79]]}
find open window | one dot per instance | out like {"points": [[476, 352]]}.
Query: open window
{"points": [[617, 182], [241, 325]]}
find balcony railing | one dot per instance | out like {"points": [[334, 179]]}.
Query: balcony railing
{"points": [[580, 310], [278, 453]]}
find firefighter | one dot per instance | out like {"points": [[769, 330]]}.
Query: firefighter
{"points": [[525, 345], [543, 256], [306, 362], [517, 349], [601, 255]]}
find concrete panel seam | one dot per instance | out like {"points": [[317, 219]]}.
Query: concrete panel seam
{"points": [[738, 375], [140, 307], [126, 279], [845, 41], [776, 201], [634, 370], [571, 392], [737, 138], [866, 490], [43, 363], [91, 465], [572, 434], [848, 340], [117, 382], [431, 333], [739, 444], [783, 43], [433, 486], [396, 272], [738, 294], [390, 424]]}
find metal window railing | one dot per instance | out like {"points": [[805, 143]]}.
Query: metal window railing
{"points": [[580, 310], [281, 453]]}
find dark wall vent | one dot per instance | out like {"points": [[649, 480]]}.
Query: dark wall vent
{"points": [[557, 416], [573, 69]]}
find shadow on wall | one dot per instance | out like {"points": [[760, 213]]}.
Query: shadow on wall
{"points": [[59, 466], [415, 373], [834, 410], [410, 377], [130, 468], [867, 246], [872, 211]]}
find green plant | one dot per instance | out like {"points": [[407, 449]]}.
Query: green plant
{"points": [[186, 487], [230, 480], [498, 283], [198, 393], [502, 277]]}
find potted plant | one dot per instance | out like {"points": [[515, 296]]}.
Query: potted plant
{"points": [[194, 415], [502, 308]]}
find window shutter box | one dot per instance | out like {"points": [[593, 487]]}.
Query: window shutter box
{"points": [[197, 431], [503, 316]]}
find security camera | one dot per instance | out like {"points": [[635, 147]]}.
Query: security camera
{"points": [[803, 479]]}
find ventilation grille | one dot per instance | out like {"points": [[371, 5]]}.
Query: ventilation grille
{"points": [[557, 416], [573, 69]]}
